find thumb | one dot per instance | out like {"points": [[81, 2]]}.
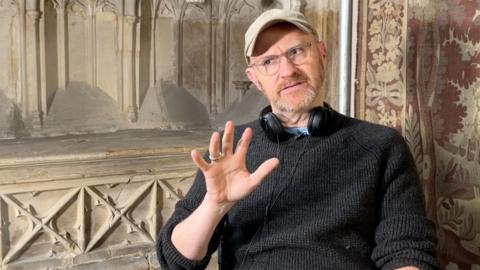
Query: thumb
{"points": [[263, 170]]}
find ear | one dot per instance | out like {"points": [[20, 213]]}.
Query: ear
{"points": [[253, 77], [322, 49]]}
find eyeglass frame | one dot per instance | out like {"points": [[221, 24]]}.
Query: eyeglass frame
{"points": [[257, 66]]}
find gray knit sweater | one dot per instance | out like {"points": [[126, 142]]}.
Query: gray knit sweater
{"points": [[349, 200]]}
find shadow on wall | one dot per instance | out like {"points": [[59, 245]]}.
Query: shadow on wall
{"points": [[169, 106], [10, 117], [243, 111], [82, 109]]}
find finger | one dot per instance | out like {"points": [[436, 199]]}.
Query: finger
{"points": [[227, 141], [263, 170], [243, 143], [198, 160], [214, 147]]}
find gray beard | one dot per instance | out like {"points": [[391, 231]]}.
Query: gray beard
{"points": [[287, 108]]}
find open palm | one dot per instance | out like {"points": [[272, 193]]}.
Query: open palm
{"points": [[227, 178]]}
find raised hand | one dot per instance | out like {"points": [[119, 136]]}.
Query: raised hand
{"points": [[228, 181], [226, 176]]}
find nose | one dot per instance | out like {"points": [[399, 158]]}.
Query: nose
{"points": [[286, 68]]}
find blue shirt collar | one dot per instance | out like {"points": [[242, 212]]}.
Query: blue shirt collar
{"points": [[297, 131]]}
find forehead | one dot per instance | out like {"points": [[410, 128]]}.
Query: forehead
{"points": [[278, 38]]}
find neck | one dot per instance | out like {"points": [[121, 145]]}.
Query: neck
{"points": [[293, 119], [296, 118]]}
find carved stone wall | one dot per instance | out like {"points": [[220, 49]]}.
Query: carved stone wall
{"points": [[91, 201], [95, 62], [419, 72]]}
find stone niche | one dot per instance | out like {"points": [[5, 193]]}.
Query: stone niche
{"points": [[101, 102], [83, 66]]}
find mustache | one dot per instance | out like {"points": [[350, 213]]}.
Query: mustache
{"points": [[289, 82]]}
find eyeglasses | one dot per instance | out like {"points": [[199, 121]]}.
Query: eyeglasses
{"points": [[269, 65]]}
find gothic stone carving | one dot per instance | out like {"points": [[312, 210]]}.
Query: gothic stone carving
{"points": [[62, 211]]}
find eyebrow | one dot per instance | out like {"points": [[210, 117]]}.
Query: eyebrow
{"points": [[275, 55]]}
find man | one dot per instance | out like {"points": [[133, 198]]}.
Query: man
{"points": [[326, 191]]}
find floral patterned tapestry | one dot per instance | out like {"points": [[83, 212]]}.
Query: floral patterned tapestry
{"points": [[419, 71]]}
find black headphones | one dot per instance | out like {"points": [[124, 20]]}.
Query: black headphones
{"points": [[319, 123]]}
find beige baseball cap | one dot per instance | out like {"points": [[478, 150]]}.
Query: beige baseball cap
{"points": [[271, 17]]}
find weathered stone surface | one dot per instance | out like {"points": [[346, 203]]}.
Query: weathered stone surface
{"points": [[161, 108], [98, 111], [74, 67], [7, 117], [97, 200], [244, 110], [123, 263]]}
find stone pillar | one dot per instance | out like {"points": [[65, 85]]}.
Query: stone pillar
{"points": [[61, 44], [42, 61], [22, 57], [212, 89], [153, 58], [120, 90], [129, 63], [33, 95], [225, 63], [91, 49], [181, 16]]}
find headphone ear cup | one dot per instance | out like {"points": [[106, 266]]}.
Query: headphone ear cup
{"points": [[314, 121], [318, 122], [271, 125]]}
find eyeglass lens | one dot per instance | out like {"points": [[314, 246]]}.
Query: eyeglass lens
{"points": [[296, 55]]}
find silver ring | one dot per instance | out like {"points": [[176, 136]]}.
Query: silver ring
{"points": [[215, 158]]}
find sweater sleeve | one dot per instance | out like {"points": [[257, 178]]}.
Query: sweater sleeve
{"points": [[168, 256], [404, 235]]}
